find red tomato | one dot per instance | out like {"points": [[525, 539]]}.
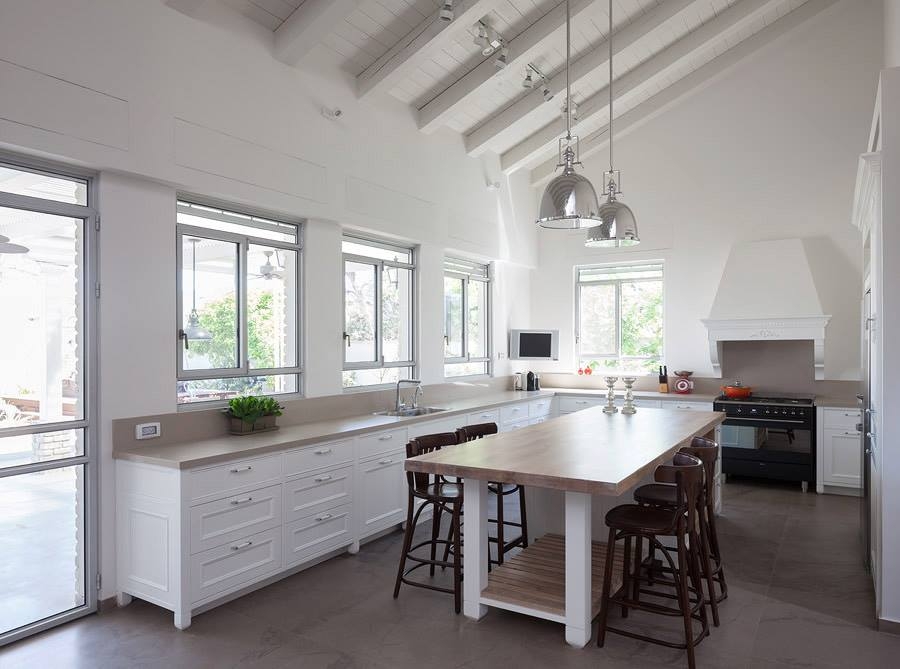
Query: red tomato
{"points": [[580, 372], [588, 371]]}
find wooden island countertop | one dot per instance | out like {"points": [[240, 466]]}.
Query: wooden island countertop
{"points": [[589, 451]]}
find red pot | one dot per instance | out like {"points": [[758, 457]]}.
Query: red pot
{"points": [[737, 392]]}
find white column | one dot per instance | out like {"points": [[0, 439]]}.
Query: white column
{"points": [[578, 567], [475, 555]]}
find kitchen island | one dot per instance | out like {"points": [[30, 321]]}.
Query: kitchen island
{"points": [[583, 455]]}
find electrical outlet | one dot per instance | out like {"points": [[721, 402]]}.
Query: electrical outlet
{"points": [[147, 431]]}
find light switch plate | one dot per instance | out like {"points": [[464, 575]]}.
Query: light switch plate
{"points": [[147, 431]]}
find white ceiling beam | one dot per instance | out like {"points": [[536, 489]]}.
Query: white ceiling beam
{"points": [[545, 141], [479, 139], [408, 53], [522, 48], [688, 85], [308, 24]]}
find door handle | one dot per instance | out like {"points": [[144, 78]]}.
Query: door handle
{"points": [[321, 479], [237, 502], [238, 547], [238, 470]]}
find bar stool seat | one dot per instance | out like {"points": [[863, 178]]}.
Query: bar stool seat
{"points": [[636, 518], [656, 494]]}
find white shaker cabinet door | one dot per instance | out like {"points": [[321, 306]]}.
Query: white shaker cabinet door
{"points": [[382, 492]]}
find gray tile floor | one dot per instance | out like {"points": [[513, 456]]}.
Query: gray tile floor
{"points": [[797, 597]]}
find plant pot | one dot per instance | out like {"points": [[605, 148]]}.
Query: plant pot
{"points": [[240, 426], [264, 423]]}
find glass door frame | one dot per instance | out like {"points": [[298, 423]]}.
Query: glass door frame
{"points": [[89, 422]]}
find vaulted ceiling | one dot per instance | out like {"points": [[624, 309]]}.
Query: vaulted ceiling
{"points": [[664, 49]]}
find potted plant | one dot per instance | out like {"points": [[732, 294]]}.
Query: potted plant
{"points": [[252, 414]]}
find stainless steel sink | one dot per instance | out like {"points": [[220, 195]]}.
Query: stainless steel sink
{"points": [[418, 411]]}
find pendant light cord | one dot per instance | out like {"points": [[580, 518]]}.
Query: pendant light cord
{"points": [[609, 39], [568, 87]]}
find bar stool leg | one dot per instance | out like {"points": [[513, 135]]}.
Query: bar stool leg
{"points": [[626, 577], [706, 568], [523, 516], [684, 599], [407, 542], [607, 584], [696, 577], [457, 557], [500, 539], [435, 533], [636, 589]]}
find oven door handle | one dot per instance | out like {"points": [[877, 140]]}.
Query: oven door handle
{"points": [[770, 420]]}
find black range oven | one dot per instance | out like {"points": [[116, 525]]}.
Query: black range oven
{"points": [[769, 437]]}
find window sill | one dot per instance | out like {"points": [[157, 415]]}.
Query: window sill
{"points": [[188, 407]]}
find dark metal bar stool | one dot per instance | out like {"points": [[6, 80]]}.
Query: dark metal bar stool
{"points": [[501, 490], [655, 494], [632, 521], [442, 496]]}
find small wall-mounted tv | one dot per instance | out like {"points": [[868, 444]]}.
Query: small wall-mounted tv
{"points": [[534, 344]]}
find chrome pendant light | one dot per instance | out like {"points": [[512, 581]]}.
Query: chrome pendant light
{"points": [[194, 331], [569, 201], [618, 227]]}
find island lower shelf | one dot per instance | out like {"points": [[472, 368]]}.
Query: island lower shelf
{"points": [[534, 580]]}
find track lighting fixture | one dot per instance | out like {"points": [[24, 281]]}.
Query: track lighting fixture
{"points": [[488, 39], [446, 13], [502, 59], [548, 94], [528, 82]]}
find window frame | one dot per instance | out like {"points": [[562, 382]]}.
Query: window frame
{"points": [[579, 284], [487, 279], [243, 370], [379, 263]]}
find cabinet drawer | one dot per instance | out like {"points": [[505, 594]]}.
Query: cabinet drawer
{"points": [[513, 413], [647, 404], [380, 442], [236, 564], [842, 457], [234, 477], [225, 520], [539, 408], [314, 492], [538, 420], [307, 459], [383, 492], [570, 404], [842, 419], [516, 425], [487, 416], [436, 426], [310, 536]]}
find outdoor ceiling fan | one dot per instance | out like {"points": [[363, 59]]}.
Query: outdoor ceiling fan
{"points": [[268, 271]]}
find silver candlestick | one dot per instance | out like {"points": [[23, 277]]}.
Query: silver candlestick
{"points": [[629, 407], [610, 407]]}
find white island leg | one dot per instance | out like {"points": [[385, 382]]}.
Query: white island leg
{"points": [[475, 555], [578, 567]]}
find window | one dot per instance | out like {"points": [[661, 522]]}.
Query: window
{"points": [[378, 312], [238, 304], [619, 317], [467, 316]]}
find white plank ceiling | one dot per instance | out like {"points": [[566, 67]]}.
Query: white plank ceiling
{"points": [[401, 48]]}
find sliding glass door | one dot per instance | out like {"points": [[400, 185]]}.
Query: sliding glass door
{"points": [[47, 454]]}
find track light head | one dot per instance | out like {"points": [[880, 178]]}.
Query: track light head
{"points": [[528, 82], [446, 13], [502, 59], [548, 94]]}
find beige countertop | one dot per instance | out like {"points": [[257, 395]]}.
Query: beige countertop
{"points": [[837, 402], [588, 451], [228, 447]]}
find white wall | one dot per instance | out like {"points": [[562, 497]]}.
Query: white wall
{"points": [[891, 33], [158, 103], [768, 151]]}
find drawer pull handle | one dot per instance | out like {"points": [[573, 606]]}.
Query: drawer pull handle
{"points": [[581, 401], [320, 479], [517, 409], [322, 451], [487, 415], [236, 502], [385, 462], [238, 470], [324, 516], [852, 415], [852, 434], [385, 437], [238, 547]]}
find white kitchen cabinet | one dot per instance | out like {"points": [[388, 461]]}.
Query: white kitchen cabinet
{"points": [[515, 425], [686, 405], [382, 492], [316, 534], [450, 424], [486, 416], [641, 402], [573, 404], [838, 449]]}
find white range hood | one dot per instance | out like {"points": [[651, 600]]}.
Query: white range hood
{"points": [[767, 293]]}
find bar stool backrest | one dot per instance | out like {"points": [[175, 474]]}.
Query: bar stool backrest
{"points": [[686, 472], [707, 451], [472, 432], [426, 443]]}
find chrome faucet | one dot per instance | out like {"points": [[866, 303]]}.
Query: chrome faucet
{"points": [[397, 405]]}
